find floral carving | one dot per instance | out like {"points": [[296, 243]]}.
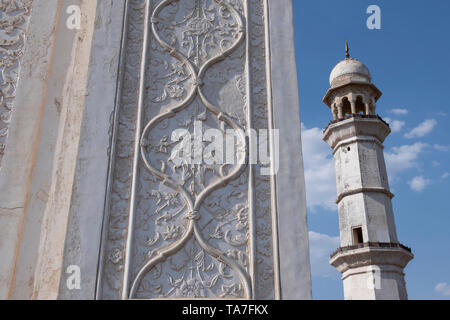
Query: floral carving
{"points": [[200, 28], [13, 24], [192, 224], [191, 273], [116, 256]]}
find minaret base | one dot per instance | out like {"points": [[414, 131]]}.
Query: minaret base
{"points": [[373, 271]]}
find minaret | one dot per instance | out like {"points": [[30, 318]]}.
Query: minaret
{"points": [[370, 258]]}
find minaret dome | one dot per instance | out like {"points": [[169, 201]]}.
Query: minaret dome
{"points": [[350, 70], [351, 89]]}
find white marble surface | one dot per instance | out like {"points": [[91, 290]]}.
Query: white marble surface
{"points": [[83, 188], [295, 274]]}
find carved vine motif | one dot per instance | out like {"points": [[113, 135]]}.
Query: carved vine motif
{"points": [[201, 30], [226, 222], [264, 267], [211, 30], [114, 247], [14, 16], [191, 273]]}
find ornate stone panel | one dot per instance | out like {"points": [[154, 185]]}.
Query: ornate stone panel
{"points": [[14, 16], [189, 230]]}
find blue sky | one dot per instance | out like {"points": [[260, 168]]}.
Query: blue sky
{"points": [[409, 59]]}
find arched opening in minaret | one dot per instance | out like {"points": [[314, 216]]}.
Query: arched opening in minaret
{"points": [[360, 107], [346, 107]]}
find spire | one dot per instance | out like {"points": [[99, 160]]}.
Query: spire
{"points": [[347, 50]]}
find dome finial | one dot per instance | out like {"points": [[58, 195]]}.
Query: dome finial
{"points": [[347, 50]]}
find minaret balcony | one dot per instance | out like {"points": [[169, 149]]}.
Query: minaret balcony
{"points": [[371, 253], [356, 125]]}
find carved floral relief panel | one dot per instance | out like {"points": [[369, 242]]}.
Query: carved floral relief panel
{"points": [[14, 16], [189, 230]]}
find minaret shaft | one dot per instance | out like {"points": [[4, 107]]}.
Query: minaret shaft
{"points": [[364, 198]]}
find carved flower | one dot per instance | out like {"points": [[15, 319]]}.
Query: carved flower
{"points": [[227, 29], [172, 199], [175, 91], [241, 84], [192, 289], [242, 217], [171, 232], [116, 256], [199, 26], [164, 218], [233, 290], [218, 233], [163, 145], [9, 6], [239, 256], [178, 68]]}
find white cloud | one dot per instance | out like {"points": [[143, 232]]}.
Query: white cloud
{"points": [[401, 158], [445, 175], [441, 148], [422, 129], [321, 246], [320, 173], [400, 112], [443, 288], [396, 126], [436, 163], [419, 183]]}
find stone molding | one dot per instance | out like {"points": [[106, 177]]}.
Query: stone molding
{"points": [[364, 190], [354, 126], [371, 254]]}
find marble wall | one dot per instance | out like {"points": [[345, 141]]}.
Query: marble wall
{"points": [[95, 181]]}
